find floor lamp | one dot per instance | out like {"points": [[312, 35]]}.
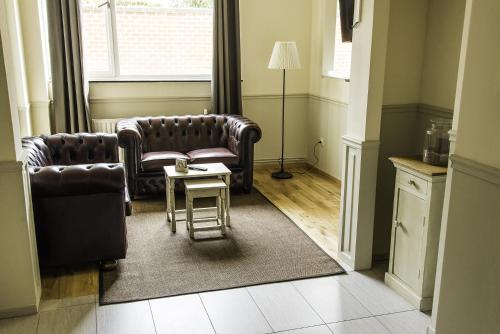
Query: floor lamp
{"points": [[285, 57]]}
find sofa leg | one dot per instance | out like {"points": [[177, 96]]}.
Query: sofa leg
{"points": [[108, 265]]}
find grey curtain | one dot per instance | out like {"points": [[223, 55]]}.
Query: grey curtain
{"points": [[226, 72], [346, 8], [70, 89]]}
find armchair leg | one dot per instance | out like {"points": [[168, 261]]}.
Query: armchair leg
{"points": [[108, 265]]}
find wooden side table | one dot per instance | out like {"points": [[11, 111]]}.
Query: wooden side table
{"points": [[205, 188], [214, 170]]}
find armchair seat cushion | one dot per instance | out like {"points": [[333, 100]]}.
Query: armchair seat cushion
{"points": [[154, 161], [212, 155]]}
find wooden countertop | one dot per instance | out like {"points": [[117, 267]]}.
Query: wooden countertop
{"points": [[416, 164]]}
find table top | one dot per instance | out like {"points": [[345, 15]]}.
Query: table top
{"points": [[215, 169], [416, 163]]}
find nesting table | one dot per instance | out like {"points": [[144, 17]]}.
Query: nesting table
{"points": [[214, 171]]}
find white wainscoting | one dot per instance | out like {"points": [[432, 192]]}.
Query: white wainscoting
{"points": [[327, 120], [468, 266], [20, 284], [358, 202]]}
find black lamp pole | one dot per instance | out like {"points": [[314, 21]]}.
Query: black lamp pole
{"points": [[282, 174]]}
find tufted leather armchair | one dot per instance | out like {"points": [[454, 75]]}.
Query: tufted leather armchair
{"points": [[153, 142], [79, 197]]}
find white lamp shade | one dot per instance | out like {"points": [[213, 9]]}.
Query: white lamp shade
{"points": [[285, 56]]}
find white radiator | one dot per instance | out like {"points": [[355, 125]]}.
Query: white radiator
{"points": [[107, 126]]}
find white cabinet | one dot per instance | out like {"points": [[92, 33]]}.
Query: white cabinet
{"points": [[418, 205]]}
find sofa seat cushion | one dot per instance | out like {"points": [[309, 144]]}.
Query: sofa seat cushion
{"points": [[154, 161], [212, 155]]}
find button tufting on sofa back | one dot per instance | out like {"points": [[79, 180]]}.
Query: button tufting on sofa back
{"points": [[183, 133], [74, 149]]}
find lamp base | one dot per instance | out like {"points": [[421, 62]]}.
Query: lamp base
{"points": [[282, 175]]}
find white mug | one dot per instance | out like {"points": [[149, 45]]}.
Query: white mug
{"points": [[181, 165]]}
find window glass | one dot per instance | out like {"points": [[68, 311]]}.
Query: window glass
{"points": [[342, 52], [95, 35]]}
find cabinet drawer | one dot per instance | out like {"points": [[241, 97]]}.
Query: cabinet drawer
{"points": [[412, 182]]}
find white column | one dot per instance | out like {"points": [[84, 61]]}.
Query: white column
{"points": [[20, 286], [361, 142], [467, 292]]}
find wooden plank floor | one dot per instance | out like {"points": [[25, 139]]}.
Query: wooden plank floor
{"points": [[69, 282], [311, 200]]}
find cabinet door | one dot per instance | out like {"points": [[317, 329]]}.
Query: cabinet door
{"points": [[410, 218]]}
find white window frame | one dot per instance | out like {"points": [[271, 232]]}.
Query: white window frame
{"points": [[329, 31], [114, 58]]}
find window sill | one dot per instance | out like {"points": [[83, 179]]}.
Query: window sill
{"points": [[334, 76], [140, 80]]}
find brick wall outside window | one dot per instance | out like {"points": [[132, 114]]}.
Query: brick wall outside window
{"points": [[151, 41], [342, 52]]}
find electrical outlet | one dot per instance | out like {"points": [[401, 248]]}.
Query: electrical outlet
{"points": [[321, 141]]}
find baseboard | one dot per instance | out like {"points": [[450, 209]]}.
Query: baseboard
{"points": [[18, 312], [323, 173], [420, 303], [287, 161]]}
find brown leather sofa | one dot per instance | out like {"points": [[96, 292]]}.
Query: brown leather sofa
{"points": [[79, 198], [153, 142]]}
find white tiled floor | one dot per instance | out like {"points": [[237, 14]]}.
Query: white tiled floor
{"points": [[354, 303]]}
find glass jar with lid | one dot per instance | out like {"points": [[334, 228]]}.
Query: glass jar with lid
{"points": [[437, 142]]}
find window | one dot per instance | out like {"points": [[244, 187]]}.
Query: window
{"points": [[336, 54], [148, 39]]}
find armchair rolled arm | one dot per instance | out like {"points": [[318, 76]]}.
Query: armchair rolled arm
{"points": [[130, 139], [37, 152], [243, 133], [50, 181], [129, 132]]}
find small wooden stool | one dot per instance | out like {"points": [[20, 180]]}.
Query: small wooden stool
{"points": [[203, 188]]}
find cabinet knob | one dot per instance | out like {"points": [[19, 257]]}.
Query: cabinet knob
{"points": [[412, 183], [397, 224]]}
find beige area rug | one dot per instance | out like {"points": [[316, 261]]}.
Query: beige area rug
{"points": [[262, 246]]}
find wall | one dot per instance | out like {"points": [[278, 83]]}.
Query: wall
{"points": [[442, 50], [328, 102], [261, 86], [405, 51], [18, 64], [422, 56], [37, 64]]}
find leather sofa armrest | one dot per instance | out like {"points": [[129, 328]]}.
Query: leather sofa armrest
{"points": [[243, 133], [129, 132], [130, 139], [52, 181]]}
